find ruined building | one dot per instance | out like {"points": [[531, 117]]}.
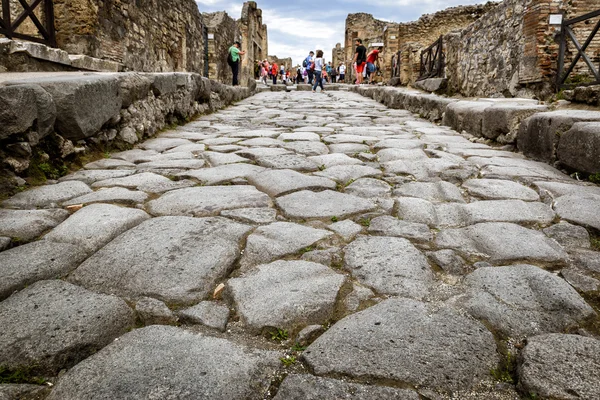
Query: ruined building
{"points": [[145, 36], [338, 56], [286, 62]]}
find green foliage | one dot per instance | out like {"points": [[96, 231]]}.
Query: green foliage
{"points": [[506, 370], [52, 171], [595, 243], [22, 375], [350, 182], [334, 219], [279, 335], [578, 79], [595, 178], [322, 167], [106, 154], [306, 249], [298, 347], [288, 360], [365, 222]]}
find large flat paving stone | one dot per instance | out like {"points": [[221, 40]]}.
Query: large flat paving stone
{"points": [[283, 181], [582, 210], [346, 174], [389, 265], [110, 195], [307, 148], [309, 387], [329, 160], [268, 243], [524, 300], [215, 158], [501, 242], [325, 204], [386, 225], [558, 366], [299, 136], [406, 342], [174, 259], [295, 162], [222, 173], [109, 163], [52, 325], [207, 201], [90, 176], [432, 191], [255, 153], [164, 362], [369, 188], [47, 195], [497, 189], [29, 224], [286, 294], [32, 262], [95, 225], [135, 155], [145, 181], [161, 144]]}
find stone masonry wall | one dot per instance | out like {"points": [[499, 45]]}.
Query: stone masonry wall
{"points": [[54, 120], [365, 27], [338, 55], [221, 35], [253, 34], [286, 62], [143, 35]]}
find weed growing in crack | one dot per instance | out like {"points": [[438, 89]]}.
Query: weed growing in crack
{"points": [[279, 335]]}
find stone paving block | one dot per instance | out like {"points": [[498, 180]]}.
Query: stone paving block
{"points": [[299, 136], [432, 191], [177, 260], [216, 159], [394, 154], [109, 163], [326, 204], [207, 200], [348, 148], [345, 138], [135, 155], [222, 173], [145, 181], [568, 235], [523, 300], [255, 153], [299, 293], [408, 342], [389, 265], [580, 210], [161, 144], [95, 225], [268, 243], [387, 225], [561, 366], [165, 361], [346, 174], [207, 313], [171, 164], [279, 182], [154, 312], [256, 133], [94, 175], [346, 229], [289, 161], [308, 387], [26, 225], [497, 189], [501, 243], [369, 188], [252, 215], [53, 325], [110, 195], [330, 160], [307, 148], [47, 196], [32, 262], [578, 147]]}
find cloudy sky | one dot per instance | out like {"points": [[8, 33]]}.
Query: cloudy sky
{"points": [[297, 27]]}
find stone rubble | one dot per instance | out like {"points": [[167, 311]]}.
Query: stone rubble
{"points": [[410, 260]]}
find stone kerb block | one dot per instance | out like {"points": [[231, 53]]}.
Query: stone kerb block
{"points": [[134, 87], [579, 147], [83, 103], [432, 85], [303, 87], [41, 52], [466, 116], [539, 134], [278, 88], [94, 64], [501, 122], [26, 109], [164, 83]]}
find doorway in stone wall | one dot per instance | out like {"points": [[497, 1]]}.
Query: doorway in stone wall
{"points": [[205, 35]]}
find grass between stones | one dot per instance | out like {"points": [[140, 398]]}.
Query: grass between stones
{"points": [[19, 376]]}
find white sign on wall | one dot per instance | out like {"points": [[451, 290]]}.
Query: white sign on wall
{"points": [[211, 36], [556, 19], [376, 44]]}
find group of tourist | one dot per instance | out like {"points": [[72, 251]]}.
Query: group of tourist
{"points": [[314, 70]]}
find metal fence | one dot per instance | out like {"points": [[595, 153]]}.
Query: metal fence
{"points": [[19, 20], [567, 35], [432, 61]]}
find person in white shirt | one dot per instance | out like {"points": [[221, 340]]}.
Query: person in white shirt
{"points": [[319, 66], [342, 71]]}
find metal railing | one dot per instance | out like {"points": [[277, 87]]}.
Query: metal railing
{"points": [[432, 61], [567, 34], [9, 26]]}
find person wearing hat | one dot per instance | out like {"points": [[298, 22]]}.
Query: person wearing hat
{"points": [[233, 59]]}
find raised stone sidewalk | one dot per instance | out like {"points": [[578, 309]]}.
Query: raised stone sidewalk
{"points": [[303, 246]]}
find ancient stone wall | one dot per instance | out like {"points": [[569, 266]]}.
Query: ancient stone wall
{"points": [[287, 62], [220, 37], [338, 55], [253, 34], [365, 27], [143, 35]]}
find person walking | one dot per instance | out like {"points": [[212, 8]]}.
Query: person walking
{"points": [[274, 72], [264, 74], [307, 63], [360, 57], [233, 59], [319, 65]]}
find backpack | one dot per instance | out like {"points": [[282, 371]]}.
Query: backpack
{"points": [[230, 58], [305, 63]]}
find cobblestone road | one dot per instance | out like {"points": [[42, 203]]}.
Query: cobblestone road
{"points": [[303, 246]]}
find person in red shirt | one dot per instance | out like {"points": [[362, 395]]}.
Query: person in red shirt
{"points": [[371, 60], [360, 58], [274, 71]]}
